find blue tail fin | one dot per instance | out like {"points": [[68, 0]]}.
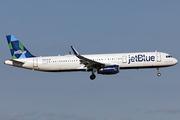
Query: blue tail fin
{"points": [[18, 51]]}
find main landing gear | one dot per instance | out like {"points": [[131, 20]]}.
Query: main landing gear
{"points": [[158, 74], [93, 76]]}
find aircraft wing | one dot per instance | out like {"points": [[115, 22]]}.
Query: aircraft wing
{"points": [[86, 61]]}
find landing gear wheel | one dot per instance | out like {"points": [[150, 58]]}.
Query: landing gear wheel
{"points": [[93, 76], [159, 74]]}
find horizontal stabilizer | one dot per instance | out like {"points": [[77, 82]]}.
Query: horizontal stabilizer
{"points": [[14, 63]]}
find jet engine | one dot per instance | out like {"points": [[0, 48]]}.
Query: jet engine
{"points": [[112, 69]]}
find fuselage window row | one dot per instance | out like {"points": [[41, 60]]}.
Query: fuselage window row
{"points": [[77, 60]]}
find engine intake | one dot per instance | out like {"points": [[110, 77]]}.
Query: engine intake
{"points": [[112, 69]]}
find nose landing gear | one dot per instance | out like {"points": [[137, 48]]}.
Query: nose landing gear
{"points": [[158, 74]]}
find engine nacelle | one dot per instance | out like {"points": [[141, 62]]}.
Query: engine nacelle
{"points": [[112, 69]]}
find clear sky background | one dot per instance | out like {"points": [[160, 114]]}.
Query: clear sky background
{"points": [[47, 27]]}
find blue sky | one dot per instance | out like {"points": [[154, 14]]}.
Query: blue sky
{"points": [[97, 26]]}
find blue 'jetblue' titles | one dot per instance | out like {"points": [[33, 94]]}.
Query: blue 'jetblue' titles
{"points": [[141, 58]]}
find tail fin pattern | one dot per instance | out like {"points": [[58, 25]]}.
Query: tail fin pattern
{"points": [[18, 51]]}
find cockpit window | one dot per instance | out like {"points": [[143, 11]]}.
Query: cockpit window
{"points": [[168, 56]]}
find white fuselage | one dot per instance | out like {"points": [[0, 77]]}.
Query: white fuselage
{"points": [[72, 63]]}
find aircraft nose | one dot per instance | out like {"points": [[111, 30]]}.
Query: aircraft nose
{"points": [[175, 61]]}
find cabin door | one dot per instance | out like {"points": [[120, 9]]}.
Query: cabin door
{"points": [[158, 55], [124, 59], [35, 62]]}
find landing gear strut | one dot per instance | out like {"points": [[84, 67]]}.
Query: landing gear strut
{"points": [[158, 74], [93, 76]]}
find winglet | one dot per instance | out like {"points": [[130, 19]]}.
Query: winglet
{"points": [[74, 50]]}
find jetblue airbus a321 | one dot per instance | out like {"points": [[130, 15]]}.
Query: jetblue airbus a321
{"points": [[105, 64]]}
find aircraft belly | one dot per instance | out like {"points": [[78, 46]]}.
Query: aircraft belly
{"points": [[62, 67], [28, 65], [140, 64]]}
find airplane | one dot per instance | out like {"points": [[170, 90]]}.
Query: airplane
{"points": [[105, 64]]}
